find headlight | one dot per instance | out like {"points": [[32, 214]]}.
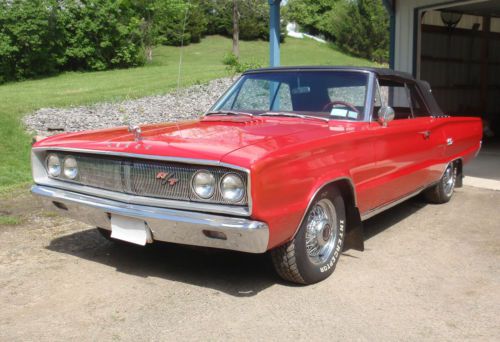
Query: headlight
{"points": [[232, 188], [53, 165], [203, 184], [70, 168]]}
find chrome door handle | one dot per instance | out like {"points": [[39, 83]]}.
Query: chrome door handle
{"points": [[449, 141], [426, 134]]}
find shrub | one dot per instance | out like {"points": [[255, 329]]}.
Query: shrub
{"points": [[29, 39], [41, 37], [230, 59], [101, 34], [235, 66]]}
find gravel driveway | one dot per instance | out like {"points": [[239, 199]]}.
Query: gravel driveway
{"points": [[429, 272]]}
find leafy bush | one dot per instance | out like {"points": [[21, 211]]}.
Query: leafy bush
{"points": [[235, 66], [100, 34], [41, 37], [230, 59], [29, 39]]}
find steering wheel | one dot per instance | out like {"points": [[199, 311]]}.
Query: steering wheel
{"points": [[341, 103]]}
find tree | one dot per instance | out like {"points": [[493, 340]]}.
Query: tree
{"points": [[311, 15], [361, 27], [29, 39], [236, 29]]}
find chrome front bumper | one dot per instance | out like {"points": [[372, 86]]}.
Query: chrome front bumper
{"points": [[169, 225]]}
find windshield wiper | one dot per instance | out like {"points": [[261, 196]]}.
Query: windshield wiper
{"points": [[293, 115], [228, 112]]}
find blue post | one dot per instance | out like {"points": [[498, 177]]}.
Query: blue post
{"points": [[274, 32]]}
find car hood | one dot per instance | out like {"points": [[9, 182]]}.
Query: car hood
{"points": [[210, 138]]}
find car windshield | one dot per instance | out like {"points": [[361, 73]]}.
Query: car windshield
{"points": [[323, 94]]}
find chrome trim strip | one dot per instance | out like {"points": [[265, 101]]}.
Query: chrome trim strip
{"points": [[479, 149], [227, 94], [316, 193], [184, 227], [145, 156], [370, 95], [174, 204], [378, 210], [155, 202]]}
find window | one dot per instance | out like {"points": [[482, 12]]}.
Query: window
{"points": [[417, 102], [254, 94], [328, 94], [404, 98], [394, 94], [260, 95]]}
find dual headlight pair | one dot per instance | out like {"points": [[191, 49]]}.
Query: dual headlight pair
{"points": [[231, 186], [68, 167]]}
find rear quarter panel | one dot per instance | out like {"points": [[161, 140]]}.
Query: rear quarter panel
{"points": [[466, 134]]}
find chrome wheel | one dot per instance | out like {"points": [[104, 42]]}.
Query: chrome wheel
{"points": [[449, 178], [321, 231]]}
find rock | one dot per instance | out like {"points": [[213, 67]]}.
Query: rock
{"points": [[185, 104]]}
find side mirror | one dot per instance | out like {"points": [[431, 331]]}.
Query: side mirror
{"points": [[385, 115]]}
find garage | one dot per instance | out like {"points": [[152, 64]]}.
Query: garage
{"points": [[455, 46]]}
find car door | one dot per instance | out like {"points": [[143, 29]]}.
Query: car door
{"points": [[404, 150]]}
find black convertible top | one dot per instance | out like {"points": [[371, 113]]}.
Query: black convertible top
{"points": [[378, 71], [384, 73]]}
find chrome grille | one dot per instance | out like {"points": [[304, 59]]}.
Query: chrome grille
{"points": [[137, 176]]}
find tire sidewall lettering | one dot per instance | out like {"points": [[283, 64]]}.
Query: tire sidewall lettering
{"points": [[338, 249]]}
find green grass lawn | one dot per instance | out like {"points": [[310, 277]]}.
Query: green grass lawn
{"points": [[201, 63]]}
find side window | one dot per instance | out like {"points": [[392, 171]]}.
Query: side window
{"points": [[395, 94], [417, 102]]}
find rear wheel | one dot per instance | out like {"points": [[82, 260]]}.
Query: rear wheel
{"points": [[312, 254], [443, 190]]}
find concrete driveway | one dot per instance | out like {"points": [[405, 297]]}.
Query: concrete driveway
{"points": [[429, 272]]}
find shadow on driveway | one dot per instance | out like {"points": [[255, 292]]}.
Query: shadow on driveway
{"points": [[234, 273]]}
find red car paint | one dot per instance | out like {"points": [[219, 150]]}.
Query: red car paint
{"points": [[290, 159]]}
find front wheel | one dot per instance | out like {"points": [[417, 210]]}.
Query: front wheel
{"points": [[313, 253], [443, 190]]}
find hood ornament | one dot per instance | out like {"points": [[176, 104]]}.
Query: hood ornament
{"points": [[137, 132]]}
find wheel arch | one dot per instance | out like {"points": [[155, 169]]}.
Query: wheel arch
{"points": [[355, 236]]}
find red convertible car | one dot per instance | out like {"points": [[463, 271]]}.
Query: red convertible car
{"points": [[289, 160]]}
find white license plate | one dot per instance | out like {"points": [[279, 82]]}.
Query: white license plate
{"points": [[130, 229]]}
